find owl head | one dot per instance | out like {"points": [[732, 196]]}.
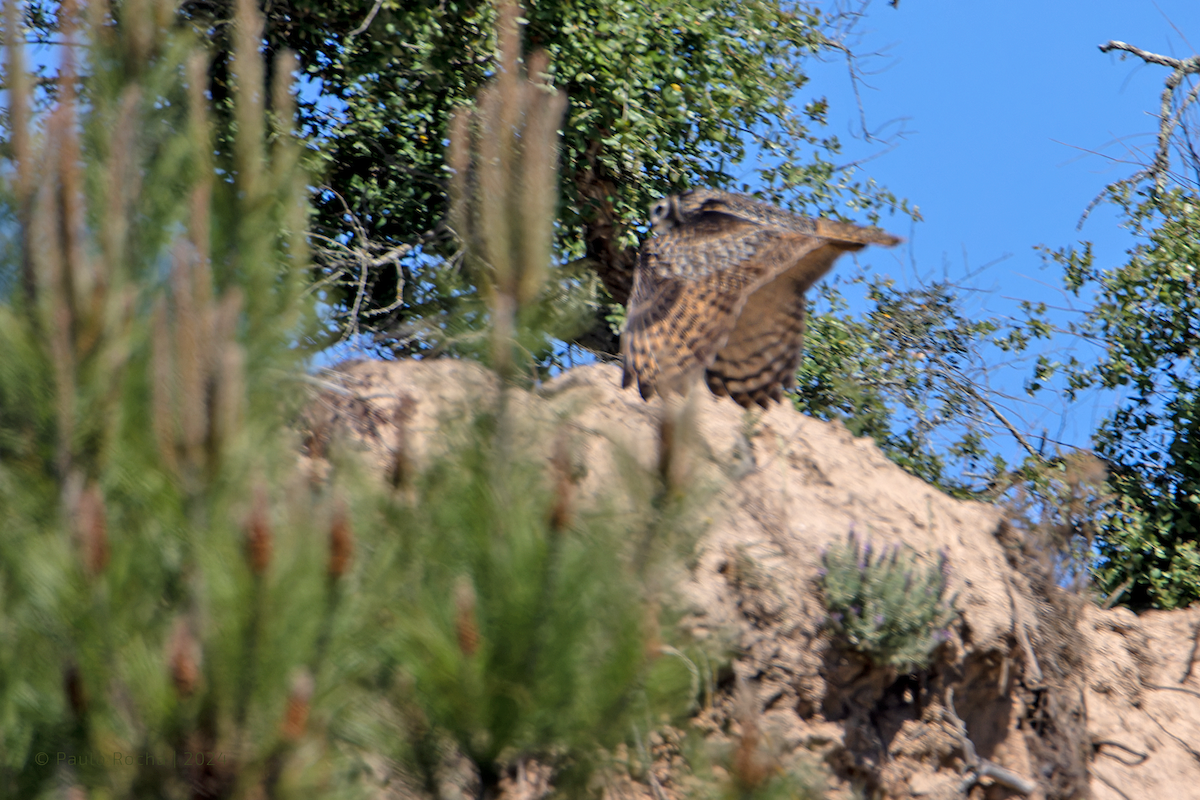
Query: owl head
{"points": [[677, 209], [664, 214]]}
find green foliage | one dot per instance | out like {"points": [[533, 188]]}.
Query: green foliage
{"points": [[140, 412], [1143, 320], [883, 605], [543, 650], [1148, 556], [517, 634], [1142, 325], [662, 96], [908, 374], [176, 586]]}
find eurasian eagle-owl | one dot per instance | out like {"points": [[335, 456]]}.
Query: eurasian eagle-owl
{"points": [[720, 288]]}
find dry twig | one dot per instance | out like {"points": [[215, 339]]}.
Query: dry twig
{"points": [[979, 768], [1191, 659], [1168, 121], [1096, 745]]}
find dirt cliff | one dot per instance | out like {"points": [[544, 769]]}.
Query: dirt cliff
{"points": [[1037, 693]]}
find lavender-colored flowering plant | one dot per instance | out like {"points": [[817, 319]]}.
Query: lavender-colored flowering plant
{"points": [[884, 604]]}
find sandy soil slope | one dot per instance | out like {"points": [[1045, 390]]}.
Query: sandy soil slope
{"points": [[1036, 694]]}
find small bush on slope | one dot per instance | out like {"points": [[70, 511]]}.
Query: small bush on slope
{"points": [[883, 605]]}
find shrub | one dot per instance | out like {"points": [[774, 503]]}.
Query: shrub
{"points": [[883, 605]]}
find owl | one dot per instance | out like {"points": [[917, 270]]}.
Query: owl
{"points": [[719, 290]]}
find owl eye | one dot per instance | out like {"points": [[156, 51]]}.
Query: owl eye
{"points": [[660, 211]]}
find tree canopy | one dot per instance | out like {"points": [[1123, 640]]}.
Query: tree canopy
{"points": [[661, 97], [1143, 318]]}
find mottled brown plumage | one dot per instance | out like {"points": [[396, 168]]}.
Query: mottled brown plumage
{"points": [[719, 290]]}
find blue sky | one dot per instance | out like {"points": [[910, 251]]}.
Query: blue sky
{"points": [[1002, 122], [1012, 121]]}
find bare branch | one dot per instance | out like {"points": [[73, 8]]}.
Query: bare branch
{"points": [[1138, 754], [352, 264], [1152, 58], [1181, 68], [978, 768], [1003, 419], [366, 23], [1187, 673]]}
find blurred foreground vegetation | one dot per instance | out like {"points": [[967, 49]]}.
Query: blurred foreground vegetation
{"points": [[186, 610]]}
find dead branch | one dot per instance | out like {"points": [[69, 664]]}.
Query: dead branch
{"points": [[366, 23], [1116, 595], [1180, 69], [1187, 673], [343, 391], [352, 264], [1179, 741], [1034, 677], [1110, 785], [1138, 754], [979, 768], [1170, 689], [1151, 58]]}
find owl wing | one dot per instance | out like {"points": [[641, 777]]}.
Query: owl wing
{"points": [[690, 287], [759, 358]]}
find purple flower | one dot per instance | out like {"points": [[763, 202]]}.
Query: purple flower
{"points": [[879, 620]]}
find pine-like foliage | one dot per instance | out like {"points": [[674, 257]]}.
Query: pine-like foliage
{"points": [[185, 611], [161, 592], [883, 605]]}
